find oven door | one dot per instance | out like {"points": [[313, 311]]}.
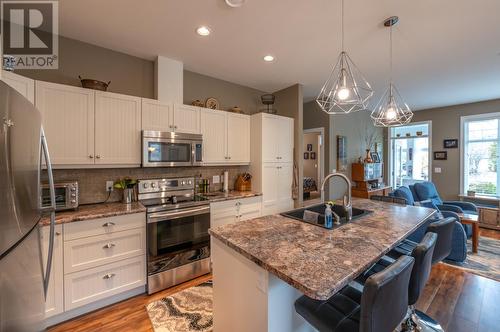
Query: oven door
{"points": [[160, 152], [177, 238]]}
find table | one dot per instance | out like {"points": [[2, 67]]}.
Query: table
{"points": [[472, 219]]}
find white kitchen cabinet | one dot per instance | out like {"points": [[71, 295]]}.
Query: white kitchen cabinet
{"points": [[186, 119], [236, 210], [214, 131], [54, 303], [238, 138], [94, 284], [272, 161], [157, 115], [162, 116], [22, 84], [117, 129], [226, 138], [103, 257], [68, 121]]}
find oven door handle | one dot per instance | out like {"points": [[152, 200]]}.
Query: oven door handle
{"points": [[162, 216]]}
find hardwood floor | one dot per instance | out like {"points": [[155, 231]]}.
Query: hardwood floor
{"points": [[461, 301]]}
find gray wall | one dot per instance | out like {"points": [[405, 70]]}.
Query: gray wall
{"points": [[446, 124], [201, 87], [128, 74], [353, 126], [289, 102]]}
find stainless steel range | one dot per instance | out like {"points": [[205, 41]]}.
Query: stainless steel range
{"points": [[177, 231]]}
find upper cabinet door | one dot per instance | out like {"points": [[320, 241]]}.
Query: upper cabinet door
{"points": [[285, 139], [23, 85], [117, 129], [186, 119], [270, 138], [238, 138], [213, 129], [157, 115], [68, 121]]}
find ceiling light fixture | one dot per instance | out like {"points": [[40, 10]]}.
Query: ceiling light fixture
{"points": [[235, 3], [268, 58], [203, 31], [346, 90], [391, 110]]}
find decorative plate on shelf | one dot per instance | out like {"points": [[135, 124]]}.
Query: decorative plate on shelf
{"points": [[198, 103], [212, 103]]}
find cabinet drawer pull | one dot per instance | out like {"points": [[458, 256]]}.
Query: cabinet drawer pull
{"points": [[98, 156], [108, 276], [58, 233], [108, 224], [108, 246], [91, 156]]}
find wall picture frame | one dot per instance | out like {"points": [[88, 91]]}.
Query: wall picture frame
{"points": [[306, 155], [313, 155], [440, 155], [450, 143], [309, 147], [375, 157]]}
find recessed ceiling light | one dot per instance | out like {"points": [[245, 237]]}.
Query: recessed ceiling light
{"points": [[268, 58], [203, 31], [235, 3]]}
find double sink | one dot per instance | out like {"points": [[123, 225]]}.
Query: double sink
{"points": [[319, 211]]}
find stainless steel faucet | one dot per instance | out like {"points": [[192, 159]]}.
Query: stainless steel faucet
{"points": [[347, 200]]}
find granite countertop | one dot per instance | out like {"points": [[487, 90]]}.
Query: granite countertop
{"points": [[316, 261], [94, 211], [232, 194]]}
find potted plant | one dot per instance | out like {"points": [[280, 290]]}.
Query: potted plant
{"points": [[127, 185]]}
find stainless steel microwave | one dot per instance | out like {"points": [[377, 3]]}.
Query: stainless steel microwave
{"points": [[66, 195], [168, 149]]}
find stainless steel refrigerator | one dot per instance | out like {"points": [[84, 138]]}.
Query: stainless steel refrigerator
{"points": [[23, 158]]}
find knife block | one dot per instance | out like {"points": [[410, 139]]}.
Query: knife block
{"points": [[242, 185]]}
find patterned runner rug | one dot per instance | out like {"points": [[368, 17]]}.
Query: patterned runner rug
{"points": [[189, 310], [486, 262]]}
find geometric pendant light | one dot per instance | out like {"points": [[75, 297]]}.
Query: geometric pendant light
{"points": [[346, 90], [391, 110]]}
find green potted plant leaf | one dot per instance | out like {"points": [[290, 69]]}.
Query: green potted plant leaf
{"points": [[127, 185]]}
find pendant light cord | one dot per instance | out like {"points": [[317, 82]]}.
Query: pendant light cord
{"points": [[390, 56], [342, 24]]}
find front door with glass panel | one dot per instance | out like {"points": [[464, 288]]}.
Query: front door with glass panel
{"points": [[409, 152]]}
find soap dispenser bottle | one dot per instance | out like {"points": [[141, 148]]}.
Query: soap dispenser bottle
{"points": [[328, 216]]}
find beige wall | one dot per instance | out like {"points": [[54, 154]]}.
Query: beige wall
{"points": [[201, 87], [128, 74], [446, 124], [311, 165], [289, 102]]}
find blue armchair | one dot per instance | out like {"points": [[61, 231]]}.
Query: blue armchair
{"points": [[459, 240], [427, 191]]}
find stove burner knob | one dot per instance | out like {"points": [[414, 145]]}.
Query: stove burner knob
{"points": [[174, 200], [183, 183], [190, 182], [145, 185], [153, 185]]}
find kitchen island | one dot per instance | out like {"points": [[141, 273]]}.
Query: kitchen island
{"points": [[261, 266]]}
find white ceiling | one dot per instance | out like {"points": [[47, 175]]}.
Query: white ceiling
{"points": [[445, 51]]}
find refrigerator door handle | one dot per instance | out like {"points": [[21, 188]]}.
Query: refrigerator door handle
{"points": [[52, 212]]}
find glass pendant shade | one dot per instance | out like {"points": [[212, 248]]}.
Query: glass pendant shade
{"points": [[391, 110], [346, 90]]}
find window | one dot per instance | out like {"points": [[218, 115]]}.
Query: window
{"points": [[480, 154]]}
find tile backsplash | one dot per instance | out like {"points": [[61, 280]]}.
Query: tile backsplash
{"points": [[92, 182]]}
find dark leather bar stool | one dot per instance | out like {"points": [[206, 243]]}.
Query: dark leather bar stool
{"points": [[444, 231], [382, 305], [423, 255], [443, 228]]}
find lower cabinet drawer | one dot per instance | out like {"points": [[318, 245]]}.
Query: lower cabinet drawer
{"points": [[91, 285], [89, 252]]}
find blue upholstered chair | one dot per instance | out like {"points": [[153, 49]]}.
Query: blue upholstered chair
{"points": [[427, 191], [459, 242]]}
